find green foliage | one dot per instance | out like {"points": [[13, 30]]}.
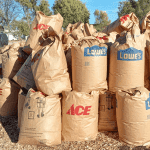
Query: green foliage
{"points": [[29, 8], [125, 7], [72, 11], [101, 20], [29, 5], [21, 28], [44, 7], [140, 8]]}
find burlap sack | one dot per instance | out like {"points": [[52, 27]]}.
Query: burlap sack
{"points": [[49, 68], [123, 23], [24, 76], [80, 116], [8, 97], [21, 100], [133, 116], [127, 59], [107, 111], [40, 24], [41, 120], [89, 65], [10, 62], [145, 23]]}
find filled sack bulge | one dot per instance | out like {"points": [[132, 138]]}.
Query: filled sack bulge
{"points": [[127, 61], [79, 116], [89, 64], [40, 120], [8, 97], [49, 68], [40, 24], [133, 116], [123, 23], [10, 61], [24, 76], [21, 100]]}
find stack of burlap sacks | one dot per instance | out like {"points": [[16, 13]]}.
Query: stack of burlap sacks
{"points": [[67, 85]]}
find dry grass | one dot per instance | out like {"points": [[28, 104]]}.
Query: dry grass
{"points": [[9, 133]]}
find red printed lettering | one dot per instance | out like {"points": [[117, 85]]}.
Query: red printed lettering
{"points": [[124, 18], [102, 38], [77, 110], [81, 109], [41, 26], [87, 108]]}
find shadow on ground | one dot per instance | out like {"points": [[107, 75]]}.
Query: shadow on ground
{"points": [[10, 125], [135, 148], [112, 134]]}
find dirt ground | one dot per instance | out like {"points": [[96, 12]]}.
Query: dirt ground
{"points": [[9, 133]]}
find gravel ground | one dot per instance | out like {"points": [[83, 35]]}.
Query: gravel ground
{"points": [[9, 133]]}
